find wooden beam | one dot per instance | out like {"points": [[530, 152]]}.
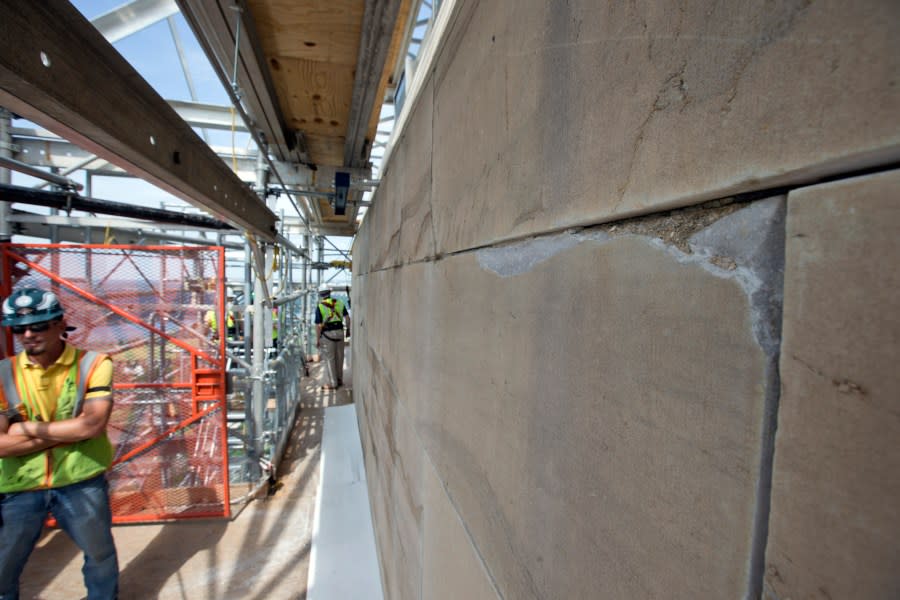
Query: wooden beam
{"points": [[57, 70]]}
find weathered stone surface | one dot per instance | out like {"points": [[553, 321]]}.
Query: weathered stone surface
{"points": [[382, 225], [598, 407], [375, 400], [379, 472], [553, 115], [453, 568], [401, 213], [393, 452], [413, 159], [593, 404], [406, 497], [360, 249], [835, 517]]}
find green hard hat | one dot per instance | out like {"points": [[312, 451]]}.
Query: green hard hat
{"points": [[30, 305]]}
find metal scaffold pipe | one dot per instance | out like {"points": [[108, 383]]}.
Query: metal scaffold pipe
{"points": [[27, 169], [255, 409], [305, 306], [5, 179]]}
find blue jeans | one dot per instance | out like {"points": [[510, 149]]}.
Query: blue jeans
{"points": [[82, 511]]}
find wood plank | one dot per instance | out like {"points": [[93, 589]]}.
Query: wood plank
{"points": [[315, 98], [321, 30], [329, 149], [313, 94]]}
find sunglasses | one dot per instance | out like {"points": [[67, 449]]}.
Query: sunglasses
{"points": [[33, 328]]}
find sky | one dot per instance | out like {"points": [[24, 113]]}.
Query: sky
{"points": [[152, 52]]}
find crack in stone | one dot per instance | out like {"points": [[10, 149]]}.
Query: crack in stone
{"points": [[659, 103], [774, 30]]}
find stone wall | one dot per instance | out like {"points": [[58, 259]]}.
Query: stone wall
{"points": [[625, 306]]}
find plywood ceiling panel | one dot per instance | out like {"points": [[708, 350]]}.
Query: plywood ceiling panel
{"points": [[311, 49], [315, 97], [328, 149], [321, 30]]}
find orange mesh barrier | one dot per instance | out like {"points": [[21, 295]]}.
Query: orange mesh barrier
{"points": [[156, 310]]}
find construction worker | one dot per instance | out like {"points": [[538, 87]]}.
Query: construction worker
{"points": [[211, 326], [274, 327], [54, 451], [230, 325], [330, 317]]}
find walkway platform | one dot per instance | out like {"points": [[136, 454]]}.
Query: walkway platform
{"points": [[344, 562]]}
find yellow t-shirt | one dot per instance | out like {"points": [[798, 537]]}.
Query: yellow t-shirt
{"points": [[45, 385]]}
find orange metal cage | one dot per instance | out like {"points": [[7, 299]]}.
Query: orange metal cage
{"points": [[156, 311]]}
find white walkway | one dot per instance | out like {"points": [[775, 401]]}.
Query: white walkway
{"points": [[343, 561]]}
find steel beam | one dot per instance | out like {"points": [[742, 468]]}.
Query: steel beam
{"points": [[42, 151], [379, 23], [71, 201], [57, 70], [103, 222], [91, 230], [15, 165], [207, 116], [132, 17]]}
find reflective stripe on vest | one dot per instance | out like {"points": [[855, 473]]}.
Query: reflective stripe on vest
{"points": [[85, 361], [9, 385]]}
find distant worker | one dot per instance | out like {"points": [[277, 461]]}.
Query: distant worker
{"points": [[230, 325], [330, 316], [274, 327], [54, 452], [211, 327]]}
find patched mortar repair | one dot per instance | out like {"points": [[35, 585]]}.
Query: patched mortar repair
{"points": [[740, 241]]}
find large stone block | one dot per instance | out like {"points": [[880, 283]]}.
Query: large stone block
{"points": [[550, 115], [395, 337], [453, 568], [835, 517], [594, 404]]}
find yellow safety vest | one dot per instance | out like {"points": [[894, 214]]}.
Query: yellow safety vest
{"points": [[60, 465]]}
